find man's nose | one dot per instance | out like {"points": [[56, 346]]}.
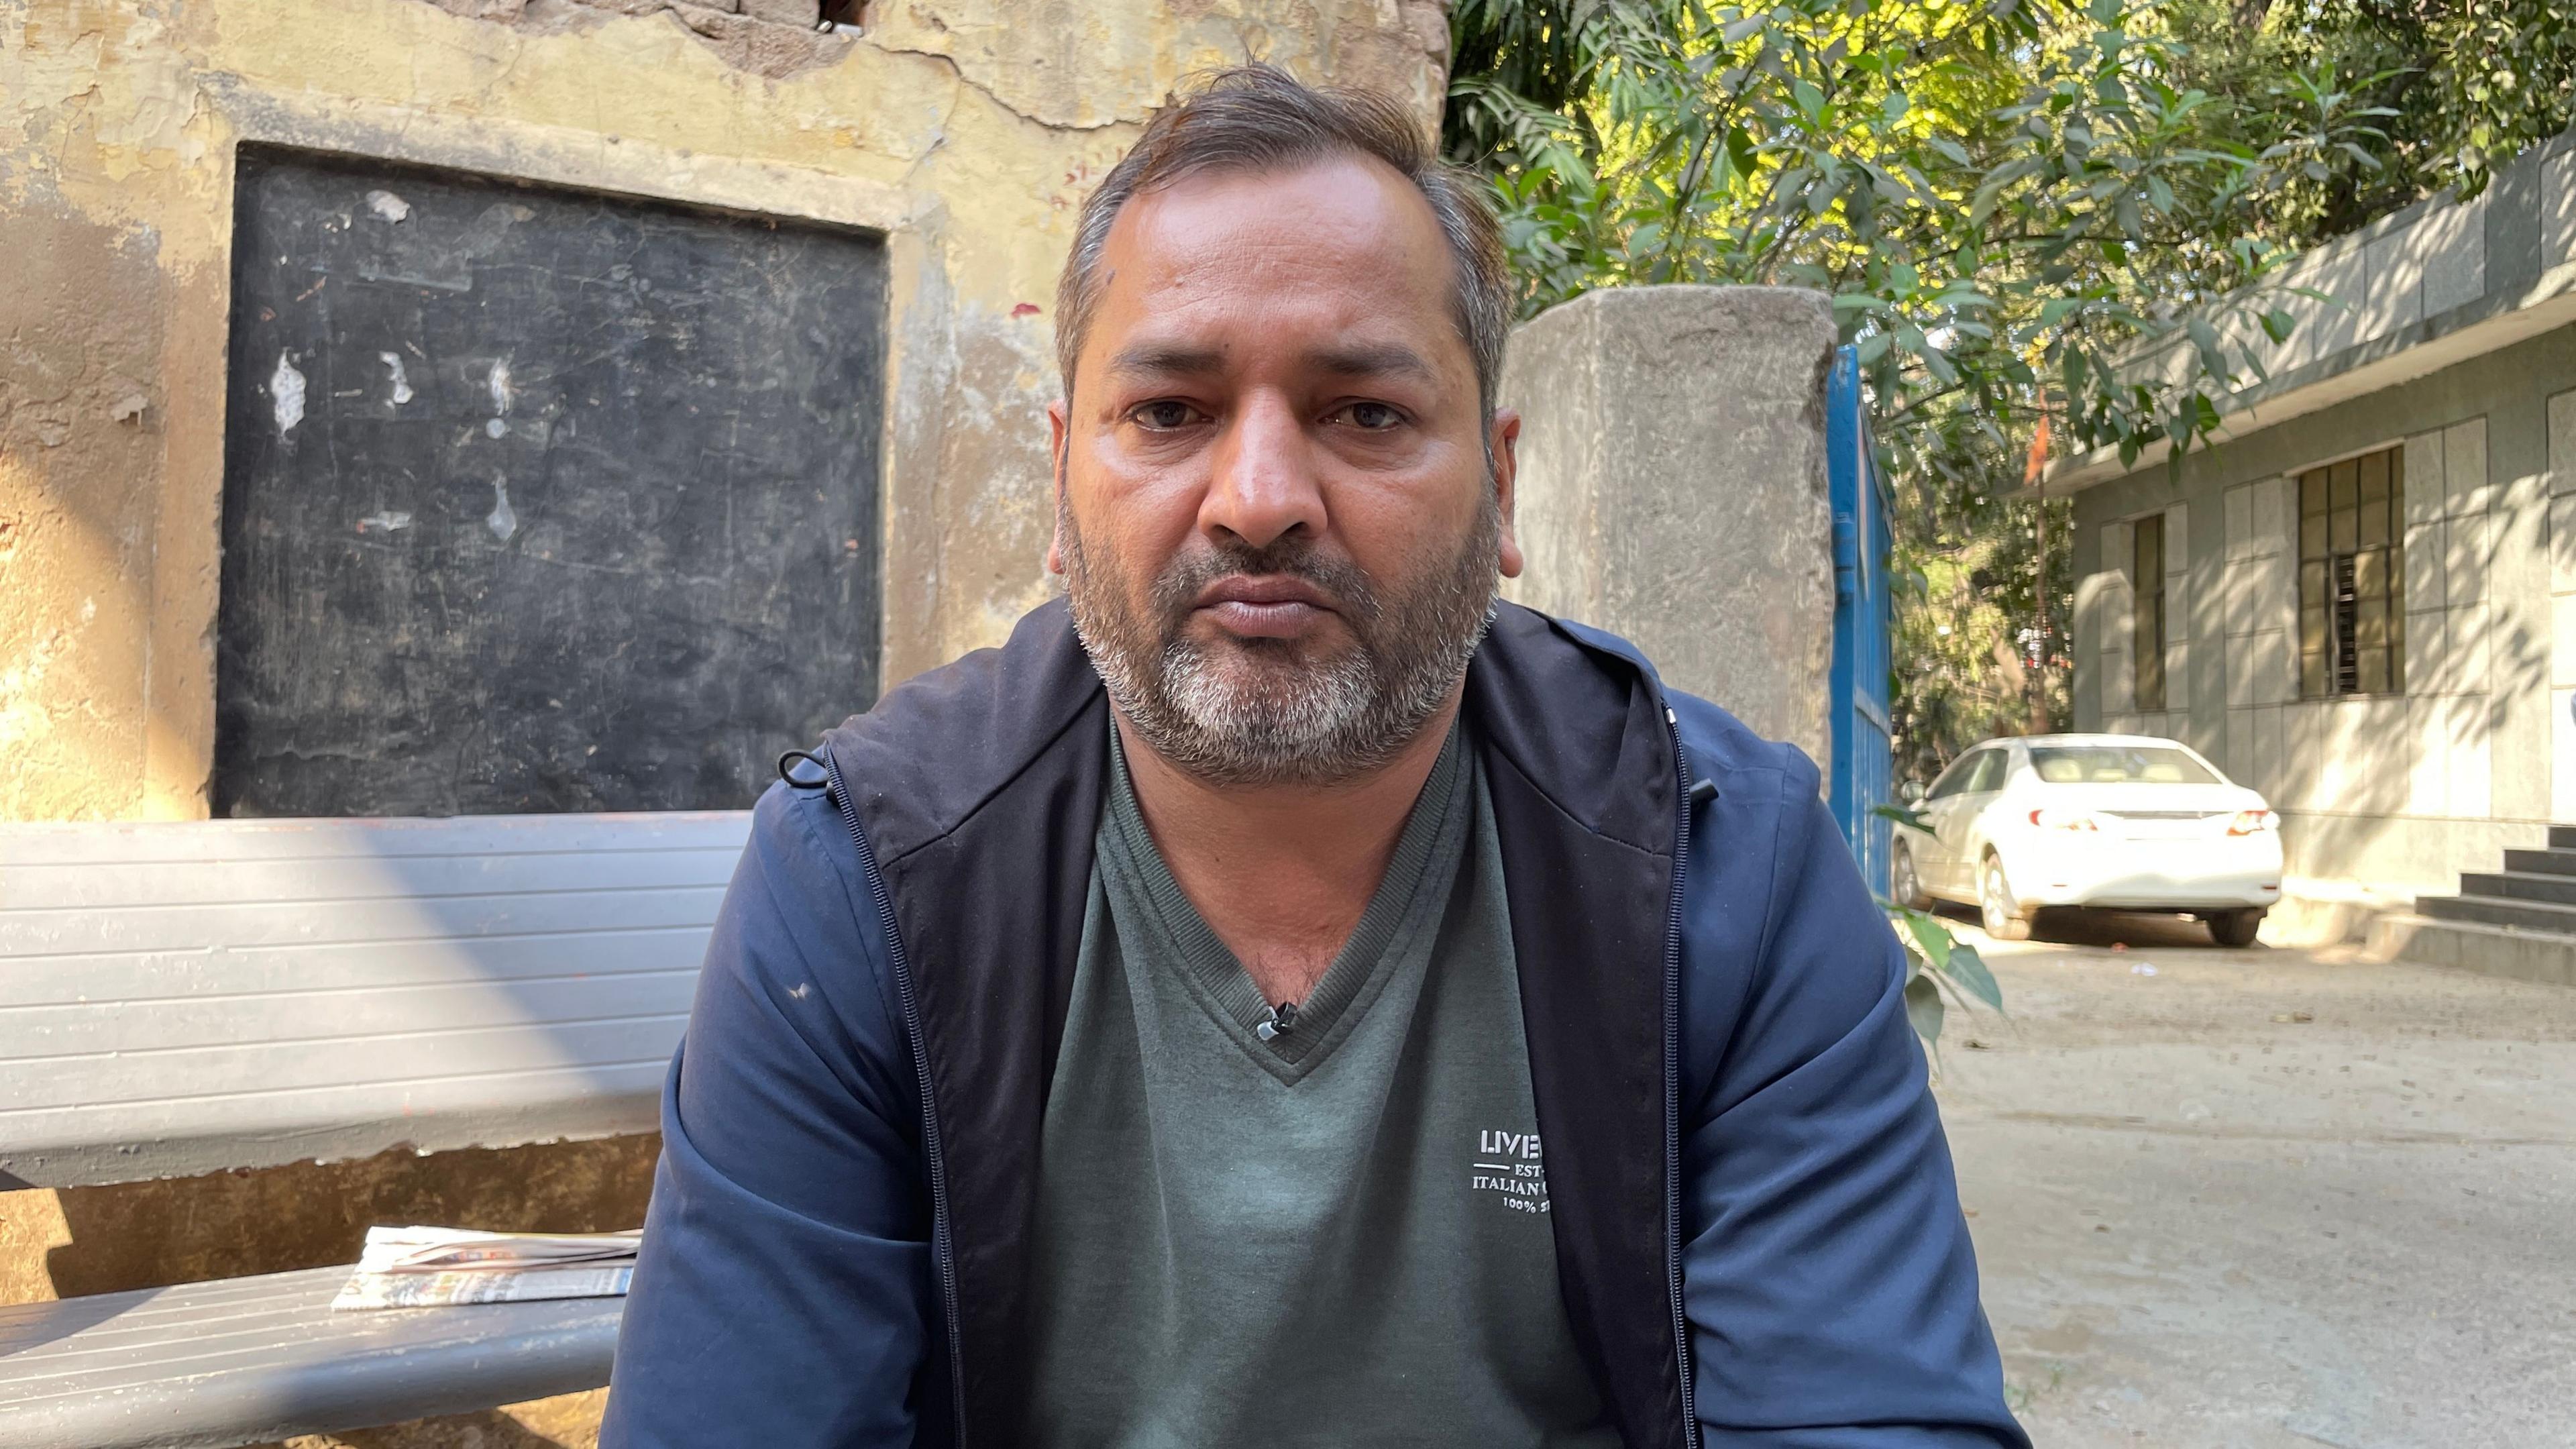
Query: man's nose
{"points": [[1263, 487]]}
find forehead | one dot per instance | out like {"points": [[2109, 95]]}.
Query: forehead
{"points": [[1342, 249]]}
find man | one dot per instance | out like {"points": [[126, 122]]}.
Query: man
{"points": [[1280, 997]]}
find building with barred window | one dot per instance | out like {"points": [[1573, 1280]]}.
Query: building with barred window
{"points": [[2361, 599]]}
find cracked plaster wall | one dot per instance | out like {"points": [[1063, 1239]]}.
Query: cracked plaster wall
{"points": [[967, 131]]}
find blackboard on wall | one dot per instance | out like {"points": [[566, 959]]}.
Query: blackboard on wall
{"points": [[537, 500]]}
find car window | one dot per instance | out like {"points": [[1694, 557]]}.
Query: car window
{"points": [[2117, 765], [1990, 773], [1954, 779]]}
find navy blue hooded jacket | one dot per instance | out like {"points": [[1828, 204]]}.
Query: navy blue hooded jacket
{"points": [[1758, 1236]]}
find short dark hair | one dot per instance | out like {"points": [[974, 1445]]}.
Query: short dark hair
{"points": [[1259, 118]]}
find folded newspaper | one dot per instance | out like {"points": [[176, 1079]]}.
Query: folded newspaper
{"points": [[430, 1267]]}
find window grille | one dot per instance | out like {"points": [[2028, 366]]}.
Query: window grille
{"points": [[2352, 577], [2147, 647]]}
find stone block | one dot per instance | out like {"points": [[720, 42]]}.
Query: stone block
{"points": [[2238, 516], [2562, 754], [2119, 683], [2238, 760], [2119, 611], [2470, 646], [2468, 770], [2381, 757], [2178, 538], [2453, 243], [2467, 545], [2270, 749], [2178, 677], [2427, 651], [2558, 209], [2425, 494], [2426, 543], [2394, 298], [2561, 526], [2237, 583], [2323, 328], [2304, 732], [2428, 748], [2276, 601], [2465, 487], [2178, 619], [1672, 487], [2276, 666], [2274, 517], [805, 13], [2520, 759], [2562, 442], [2562, 641]]}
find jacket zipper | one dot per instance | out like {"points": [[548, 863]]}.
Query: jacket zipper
{"points": [[1673, 1082], [939, 1225]]}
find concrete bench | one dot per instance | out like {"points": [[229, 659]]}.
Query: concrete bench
{"points": [[181, 998], [252, 1360]]}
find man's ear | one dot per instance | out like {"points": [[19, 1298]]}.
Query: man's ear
{"points": [[1056, 435], [1506, 441]]}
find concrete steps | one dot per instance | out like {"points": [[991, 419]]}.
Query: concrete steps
{"points": [[2521, 886], [2500, 911], [2518, 922], [2471, 946]]}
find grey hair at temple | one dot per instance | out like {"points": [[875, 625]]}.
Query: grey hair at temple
{"points": [[1258, 118]]}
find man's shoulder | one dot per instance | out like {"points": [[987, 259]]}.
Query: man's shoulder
{"points": [[939, 746], [1712, 737], [1717, 741]]}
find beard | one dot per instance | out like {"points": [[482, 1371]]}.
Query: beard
{"points": [[1233, 711]]}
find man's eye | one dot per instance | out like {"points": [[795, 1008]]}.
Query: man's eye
{"points": [[1372, 417], [1165, 414]]}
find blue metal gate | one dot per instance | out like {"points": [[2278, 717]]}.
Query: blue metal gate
{"points": [[1863, 619]]}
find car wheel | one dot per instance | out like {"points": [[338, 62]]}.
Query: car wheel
{"points": [[1996, 910], [2236, 928], [1903, 884]]}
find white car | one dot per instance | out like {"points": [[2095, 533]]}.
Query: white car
{"points": [[2121, 822]]}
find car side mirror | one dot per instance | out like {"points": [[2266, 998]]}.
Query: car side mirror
{"points": [[1911, 792]]}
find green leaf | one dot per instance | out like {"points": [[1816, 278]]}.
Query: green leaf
{"points": [[2204, 338], [1902, 816], [1930, 936], [1923, 1009], [1967, 971]]}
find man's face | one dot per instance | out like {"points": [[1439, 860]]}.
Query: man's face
{"points": [[1274, 508]]}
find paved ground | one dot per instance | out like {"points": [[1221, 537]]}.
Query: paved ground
{"points": [[2270, 1197]]}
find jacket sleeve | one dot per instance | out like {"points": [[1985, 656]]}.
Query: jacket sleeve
{"points": [[782, 1297], [1828, 1277]]}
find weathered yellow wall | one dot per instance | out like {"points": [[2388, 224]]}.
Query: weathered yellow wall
{"points": [[967, 131]]}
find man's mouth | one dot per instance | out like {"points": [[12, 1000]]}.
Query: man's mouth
{"points": [[1264, 606]]}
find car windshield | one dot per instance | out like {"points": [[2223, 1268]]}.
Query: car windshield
{"points": [[2117, 765]]}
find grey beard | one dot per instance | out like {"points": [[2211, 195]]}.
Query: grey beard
{"points": [[1247, 712]]}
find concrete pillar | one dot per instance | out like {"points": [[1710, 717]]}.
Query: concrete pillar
{"points": [[1672, 488]]}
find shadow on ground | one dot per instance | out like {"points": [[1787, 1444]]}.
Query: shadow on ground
{"points": [[2063, 927]]}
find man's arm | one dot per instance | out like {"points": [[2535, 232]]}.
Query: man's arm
{"points": [[1828, 1276], [782, 1296]]}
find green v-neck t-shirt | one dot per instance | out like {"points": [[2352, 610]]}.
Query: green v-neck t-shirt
{"points": [[1332, 1234]]}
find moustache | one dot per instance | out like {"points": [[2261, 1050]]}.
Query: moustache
{"points": [[1341, 581]]}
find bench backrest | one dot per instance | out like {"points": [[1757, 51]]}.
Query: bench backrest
{"points": [[183, 997]]}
